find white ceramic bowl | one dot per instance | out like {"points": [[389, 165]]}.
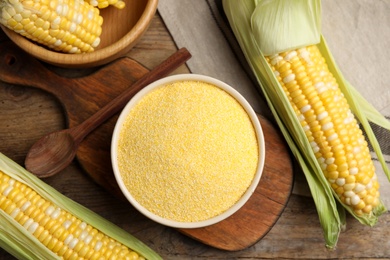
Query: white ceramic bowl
{"points": [[257, 128]]}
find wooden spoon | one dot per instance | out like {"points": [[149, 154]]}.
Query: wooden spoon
{"points": [[54, 152]]}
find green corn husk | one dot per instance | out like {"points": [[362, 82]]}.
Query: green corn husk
{"points": [[267, 26], [23, 245]]}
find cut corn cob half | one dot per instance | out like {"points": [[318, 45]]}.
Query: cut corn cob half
{"points": [[120, 4], [314, 107], [70, 26], [37, 222]]}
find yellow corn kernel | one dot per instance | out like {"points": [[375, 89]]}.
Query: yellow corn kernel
{"points": [[61, 232], [65, 22], [120, 4], [324, 113]]}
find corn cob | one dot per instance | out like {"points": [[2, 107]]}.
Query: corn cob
{"points": [[120, 4], [315, 109], [43, 218], [69, 26], [330, 126]]}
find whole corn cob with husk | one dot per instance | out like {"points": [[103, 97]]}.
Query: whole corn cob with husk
{"points": [[316, 109], [70, 26], [38, 222]]}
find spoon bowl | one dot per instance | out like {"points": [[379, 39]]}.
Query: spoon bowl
{"points": [[57, 147]]}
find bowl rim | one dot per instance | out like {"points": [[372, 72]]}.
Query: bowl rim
{"points": [[255, 122], [95, 58]]}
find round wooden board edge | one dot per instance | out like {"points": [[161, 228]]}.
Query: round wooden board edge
{"points": [[203, 234]]}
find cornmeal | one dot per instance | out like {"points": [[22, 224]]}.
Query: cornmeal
{"points": [[187, 151]]}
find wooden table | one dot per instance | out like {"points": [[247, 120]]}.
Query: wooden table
{"points": [[27, 114]]}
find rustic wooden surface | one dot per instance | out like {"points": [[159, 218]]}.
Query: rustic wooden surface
{"points": [[81, 97], [27, 114]]}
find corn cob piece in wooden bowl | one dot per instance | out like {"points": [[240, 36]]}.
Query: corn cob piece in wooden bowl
{"points": [[76, 33]]}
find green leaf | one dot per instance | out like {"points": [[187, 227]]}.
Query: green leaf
{"points": [[282, 25], [369, 111]]}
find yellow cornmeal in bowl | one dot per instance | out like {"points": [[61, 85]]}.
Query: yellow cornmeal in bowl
{"points": [[187, 151]]}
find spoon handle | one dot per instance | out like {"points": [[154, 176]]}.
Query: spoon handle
{"points": [[166, 67]]}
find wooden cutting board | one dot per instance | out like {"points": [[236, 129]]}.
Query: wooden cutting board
{"points": [[83, 96]]}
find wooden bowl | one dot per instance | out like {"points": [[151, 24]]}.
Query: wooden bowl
{"points": [[120, 32]]}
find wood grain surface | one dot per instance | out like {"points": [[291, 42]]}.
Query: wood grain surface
{"points": [[28, 113], [81, 97]]}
